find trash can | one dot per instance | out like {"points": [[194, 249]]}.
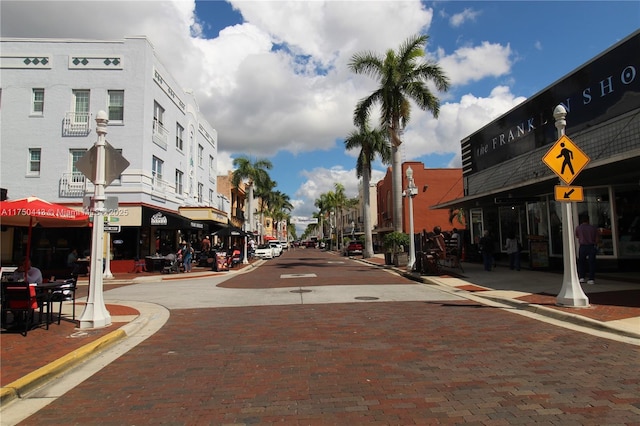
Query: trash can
{"points": [[388, 258]]}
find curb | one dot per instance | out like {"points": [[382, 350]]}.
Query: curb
{"points": [[36, 378]]}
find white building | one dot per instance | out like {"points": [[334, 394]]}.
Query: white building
{"points": [[51, 91]]}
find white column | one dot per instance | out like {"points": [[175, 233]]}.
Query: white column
{"points": [[571, 293], [107, 275], [95, 314]]}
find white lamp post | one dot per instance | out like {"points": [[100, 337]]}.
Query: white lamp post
{"points": [[95, 314], [411, 192], [571, 293]]}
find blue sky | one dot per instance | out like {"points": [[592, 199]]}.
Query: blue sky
{"points": [[272, 77]]}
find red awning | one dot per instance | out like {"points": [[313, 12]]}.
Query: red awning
{"points": [[269, 238]]}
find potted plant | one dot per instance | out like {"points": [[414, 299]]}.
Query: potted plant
{"points": [[394, 244]]}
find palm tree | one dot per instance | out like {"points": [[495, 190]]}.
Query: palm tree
{"points": [[256, 174], [324, 208], [402, 78], [371, 143], [279, 207]]}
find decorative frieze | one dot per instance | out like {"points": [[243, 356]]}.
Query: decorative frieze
{"points": [[96, 62], [25, 62], [168, 90]]}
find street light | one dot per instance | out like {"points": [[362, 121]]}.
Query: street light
{"points": [[411, 192]]}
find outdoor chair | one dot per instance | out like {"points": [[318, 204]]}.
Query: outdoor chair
{"points": [[20, 299], [67, 292]]}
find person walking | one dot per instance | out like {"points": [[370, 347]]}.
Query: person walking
{"points": [[512, 246], [486, 248], [588, 238], [187, 256]]}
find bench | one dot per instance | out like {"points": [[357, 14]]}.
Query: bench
{"points": [[452, 256]]}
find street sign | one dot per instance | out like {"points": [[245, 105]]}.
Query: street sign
{"points": [[569, 193], [566, 159], [114, 162], [112, 228]]}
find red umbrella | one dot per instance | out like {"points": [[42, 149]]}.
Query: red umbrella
{"points": [[31, 211]]}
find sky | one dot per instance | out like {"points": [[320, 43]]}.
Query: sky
{"points": [[272, 77]]}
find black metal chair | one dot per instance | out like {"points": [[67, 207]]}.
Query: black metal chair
{"points": [[20, 299], [66, 292]]}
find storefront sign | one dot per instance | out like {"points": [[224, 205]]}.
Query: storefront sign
{"points": [[159, 219], [604, 88]]}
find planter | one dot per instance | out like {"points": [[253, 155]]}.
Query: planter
{"points": [[401, 259]]}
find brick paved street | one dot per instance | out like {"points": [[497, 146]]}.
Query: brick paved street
{"points": [[387, 363]]}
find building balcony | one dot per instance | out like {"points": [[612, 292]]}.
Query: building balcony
{"points": [[76, 124], [72, 185], [160, 135]]}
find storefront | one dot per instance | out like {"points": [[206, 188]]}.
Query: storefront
{"points": [[508, 188]]}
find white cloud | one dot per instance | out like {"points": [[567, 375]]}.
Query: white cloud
{"points": [[460, 18], [473, 63]]}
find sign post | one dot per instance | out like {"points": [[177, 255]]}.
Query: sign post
{"points": [[94, 166], [572, 161]]}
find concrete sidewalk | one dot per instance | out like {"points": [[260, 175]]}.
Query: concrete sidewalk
{"points": [[615, 308]]}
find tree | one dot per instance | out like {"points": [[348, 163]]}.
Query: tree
{"points": [[256, 175], [402, 78], [371, 143]]}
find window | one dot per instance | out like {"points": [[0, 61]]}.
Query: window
{"points": [[37, 106], [179, 135], [81, 106], [200, 154], [179, 184], [34, 162], [212, 196], [200, 189], [212, 166], [156, 169], [158, 115], [116, 105], [75, 155]]}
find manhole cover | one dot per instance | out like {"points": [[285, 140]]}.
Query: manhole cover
{"points": [[298, 276], [300, 291], [366, 298]]}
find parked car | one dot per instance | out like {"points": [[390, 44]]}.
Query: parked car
{"points": [[354, 247], [276, 246], [264, 251]]}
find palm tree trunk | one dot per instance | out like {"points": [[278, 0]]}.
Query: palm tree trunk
{"points": [[396, 182], [368, 238]]}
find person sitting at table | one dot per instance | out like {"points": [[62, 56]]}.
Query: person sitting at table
{"points": [[33, 274]]}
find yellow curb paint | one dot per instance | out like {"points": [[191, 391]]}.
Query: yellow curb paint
{"points": [[36, 378]]}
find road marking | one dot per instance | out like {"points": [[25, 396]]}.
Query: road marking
{"points": [[298, 276]]}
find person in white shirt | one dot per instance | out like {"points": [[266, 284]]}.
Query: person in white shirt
{"points": [[34, 275]]}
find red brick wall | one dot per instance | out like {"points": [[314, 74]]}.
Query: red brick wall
{"points": [[443, 185]]}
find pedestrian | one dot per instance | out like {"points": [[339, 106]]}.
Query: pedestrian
{"points": [[187, 256], [512, 246], [588, 238], [206, 244], [486, 248]]}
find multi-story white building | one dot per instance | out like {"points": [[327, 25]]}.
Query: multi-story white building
{"points": [[51, 91]]}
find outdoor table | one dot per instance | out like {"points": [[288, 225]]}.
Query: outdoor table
{"points": [[155, 263]]}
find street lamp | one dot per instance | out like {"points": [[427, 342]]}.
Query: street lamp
{"points": [[411, 192]]}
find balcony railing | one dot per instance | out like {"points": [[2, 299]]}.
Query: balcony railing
{"points": [[160, 135], [159, 185], [72, 185], [76, 124]]}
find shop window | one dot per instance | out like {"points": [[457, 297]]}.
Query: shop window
{"points": [[628, 225], [597, 204]]}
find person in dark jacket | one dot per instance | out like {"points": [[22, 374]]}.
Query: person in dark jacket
{"points": [[486, 248]]}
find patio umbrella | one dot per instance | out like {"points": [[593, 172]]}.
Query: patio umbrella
{"points": [[31, 211]]}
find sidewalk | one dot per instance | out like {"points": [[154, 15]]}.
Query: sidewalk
{"points": [[614, 307]]}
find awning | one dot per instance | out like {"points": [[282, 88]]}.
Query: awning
{"points": [[168, 220]]}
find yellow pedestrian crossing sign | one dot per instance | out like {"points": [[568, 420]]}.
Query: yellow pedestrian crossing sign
{"points": [[569, 193], [566, 159]]}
